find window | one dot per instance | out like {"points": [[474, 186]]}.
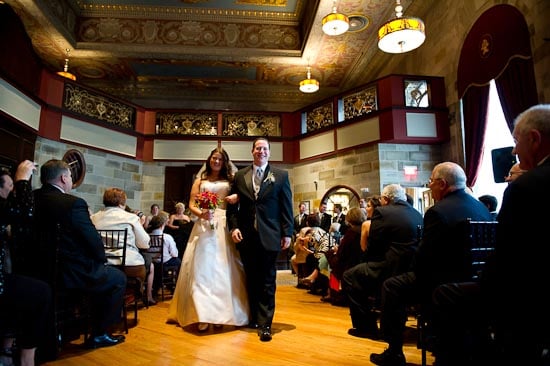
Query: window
{"points": [[497, 135]]}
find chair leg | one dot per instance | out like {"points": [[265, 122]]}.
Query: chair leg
{"points": [[125, 318], [421, 326]]}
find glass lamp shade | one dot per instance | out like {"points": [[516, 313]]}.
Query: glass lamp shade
{"points": [[401, 35], [335, 24], [67, 75], [309, 86]]}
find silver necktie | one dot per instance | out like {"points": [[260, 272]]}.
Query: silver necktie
{"points": [[257, 180]]}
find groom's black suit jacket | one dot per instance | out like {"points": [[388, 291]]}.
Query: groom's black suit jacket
{"points": [[272, 210]]}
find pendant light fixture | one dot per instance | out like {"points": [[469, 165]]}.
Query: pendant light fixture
{"points": [[402, 34], [65, 73], [335, 23], [309, 85]]}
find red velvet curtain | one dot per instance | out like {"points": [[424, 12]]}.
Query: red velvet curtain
{"points": [[475, 105], [516, 89], [496, 47]]}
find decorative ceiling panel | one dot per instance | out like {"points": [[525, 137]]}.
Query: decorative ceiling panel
{"points": [[246, 55]]}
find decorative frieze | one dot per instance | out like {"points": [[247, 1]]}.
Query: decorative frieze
{"points": [[87, 104]]}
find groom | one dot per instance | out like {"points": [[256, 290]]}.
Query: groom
{"points": [[261, 224]]}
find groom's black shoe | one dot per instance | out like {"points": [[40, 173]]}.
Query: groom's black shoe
{"points": [[265, 333], [253, 325], [104, 340]]}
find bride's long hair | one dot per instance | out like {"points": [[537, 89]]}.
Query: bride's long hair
{"points": [[226, 172]]}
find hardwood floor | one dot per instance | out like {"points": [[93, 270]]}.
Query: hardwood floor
{"points": [[306, 332]]}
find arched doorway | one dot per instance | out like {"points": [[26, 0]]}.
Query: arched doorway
{"points": [[342, 194]]}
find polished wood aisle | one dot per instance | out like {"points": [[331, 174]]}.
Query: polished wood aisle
{"points": [[306, 332]]}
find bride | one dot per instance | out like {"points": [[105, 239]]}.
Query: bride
{"points": [[211, 286]]}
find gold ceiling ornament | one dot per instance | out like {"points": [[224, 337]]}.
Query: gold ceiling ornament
{"points": [[309, 85], [402, 34], [335, 23], [65, 73]]}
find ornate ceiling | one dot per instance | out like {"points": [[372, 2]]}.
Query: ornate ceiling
{"points": [[246, 55]]}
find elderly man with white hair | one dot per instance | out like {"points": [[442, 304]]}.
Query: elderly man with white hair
{"points": [[392, 239], [441, 258]]}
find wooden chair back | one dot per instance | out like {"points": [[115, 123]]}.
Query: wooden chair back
{"points": [[114, 243], [168, 275], [479, 240], [481, 236]]}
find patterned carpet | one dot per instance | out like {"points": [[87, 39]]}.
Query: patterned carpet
{"points": [[286, 278]]}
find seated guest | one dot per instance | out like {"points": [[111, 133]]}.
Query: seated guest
{"points": [[170, 250], [516, 283], [441, 257], [491, 203], [81, 254], [317, 243], [372, 203], [514, 172], [344, 256], [114, 216], [392, 240], [24, 302], [154, 212]]}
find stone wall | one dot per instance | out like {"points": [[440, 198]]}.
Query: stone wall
{"points": [[369, 167], [142, 182]]}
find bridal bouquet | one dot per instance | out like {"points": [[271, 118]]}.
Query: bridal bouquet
{"points": [[208, 201]]}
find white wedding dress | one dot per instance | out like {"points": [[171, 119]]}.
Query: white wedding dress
{"points": [[211, 283]]}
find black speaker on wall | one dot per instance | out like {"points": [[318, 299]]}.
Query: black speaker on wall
{"points": [[502, 162]]}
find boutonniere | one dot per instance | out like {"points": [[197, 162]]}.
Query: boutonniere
{"points": [[270, 178]]}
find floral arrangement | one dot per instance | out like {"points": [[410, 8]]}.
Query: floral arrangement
{"points": [[208, 201], [270, 178]]}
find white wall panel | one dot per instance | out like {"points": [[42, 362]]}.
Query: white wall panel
{"points": [[18, 105], [95, 136], [357, 134], [242, 150], [421, 125], [316, 145], [183, 150]]}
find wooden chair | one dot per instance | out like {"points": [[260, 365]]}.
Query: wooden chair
{"points": [[71, 308], [167, 275], [480, 239], [114, 242]]}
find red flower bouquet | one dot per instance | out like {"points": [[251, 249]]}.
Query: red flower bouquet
{"points": [[208, 201]]}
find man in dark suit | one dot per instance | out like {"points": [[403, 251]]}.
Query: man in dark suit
{"points": [[324, 217], [340, 218], [517, 282], [393, 238], [441, 257], [261, 225], [300, 219], [81, 254]]}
